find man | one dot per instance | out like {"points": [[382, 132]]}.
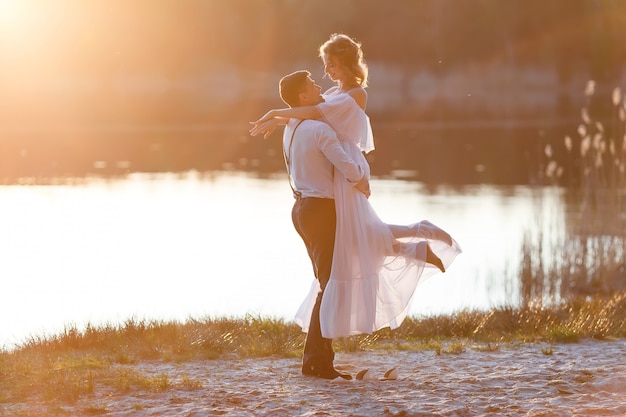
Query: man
{"points": [[312, 151]]}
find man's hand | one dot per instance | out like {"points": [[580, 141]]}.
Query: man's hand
{"points": [[266, 127], [364, 186]]}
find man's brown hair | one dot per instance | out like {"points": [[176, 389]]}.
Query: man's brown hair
{"points": [[291, 86]]}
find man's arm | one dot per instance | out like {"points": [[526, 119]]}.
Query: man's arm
{"points": [[332, 149]]}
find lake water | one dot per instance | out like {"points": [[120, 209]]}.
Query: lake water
{"points": [[178, 246]]}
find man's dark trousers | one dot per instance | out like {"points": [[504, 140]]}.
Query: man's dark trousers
{"points": [[315, 220]]}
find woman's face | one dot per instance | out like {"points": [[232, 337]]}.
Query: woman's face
{"points": [[333, 68]]}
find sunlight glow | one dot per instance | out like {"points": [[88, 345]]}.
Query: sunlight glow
{"points": [[16, 20], [25, 33], [10, 12]]}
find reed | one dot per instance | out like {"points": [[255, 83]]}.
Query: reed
{"points": [[587, 256]]}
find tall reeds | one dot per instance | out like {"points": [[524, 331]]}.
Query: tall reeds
{"points": [[588, 257]]}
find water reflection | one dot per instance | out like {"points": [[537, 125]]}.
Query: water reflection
{"points": [[174, 246], [429, 153]]}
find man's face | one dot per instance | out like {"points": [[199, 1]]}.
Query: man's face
{"points": [[311, 94]]}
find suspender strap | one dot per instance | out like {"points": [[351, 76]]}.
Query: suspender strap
{"points": [[287, 156]]}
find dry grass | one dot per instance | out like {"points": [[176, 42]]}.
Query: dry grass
{"points": [[71, 365]]}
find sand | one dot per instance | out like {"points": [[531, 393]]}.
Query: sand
{"points": [[579, 379]]}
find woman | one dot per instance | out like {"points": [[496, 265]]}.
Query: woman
{"points": [[376, 266]]}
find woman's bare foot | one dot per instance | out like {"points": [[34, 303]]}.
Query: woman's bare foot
{"points": [[431, 258]]}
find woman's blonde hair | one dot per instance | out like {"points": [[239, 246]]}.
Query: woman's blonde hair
{"points": [[349, 54]]}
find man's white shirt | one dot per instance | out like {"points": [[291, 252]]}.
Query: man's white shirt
{"points": [[312, 154]]}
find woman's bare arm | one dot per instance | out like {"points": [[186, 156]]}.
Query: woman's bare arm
{"points": [[300, 112]]}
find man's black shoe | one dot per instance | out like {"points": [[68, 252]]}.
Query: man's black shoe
{"points": [[324, 372]]}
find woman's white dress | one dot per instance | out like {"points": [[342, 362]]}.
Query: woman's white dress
{"points": [[371, 283]]}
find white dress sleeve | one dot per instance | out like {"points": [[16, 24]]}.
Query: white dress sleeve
{"points": [[350, 122]]}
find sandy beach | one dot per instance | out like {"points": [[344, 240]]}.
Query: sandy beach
{"points": [[580, 379]]}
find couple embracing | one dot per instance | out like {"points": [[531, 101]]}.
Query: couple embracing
{"points": [[366, 270]]}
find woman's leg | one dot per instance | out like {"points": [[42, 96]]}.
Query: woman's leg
{"points": [[423, 229]]}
